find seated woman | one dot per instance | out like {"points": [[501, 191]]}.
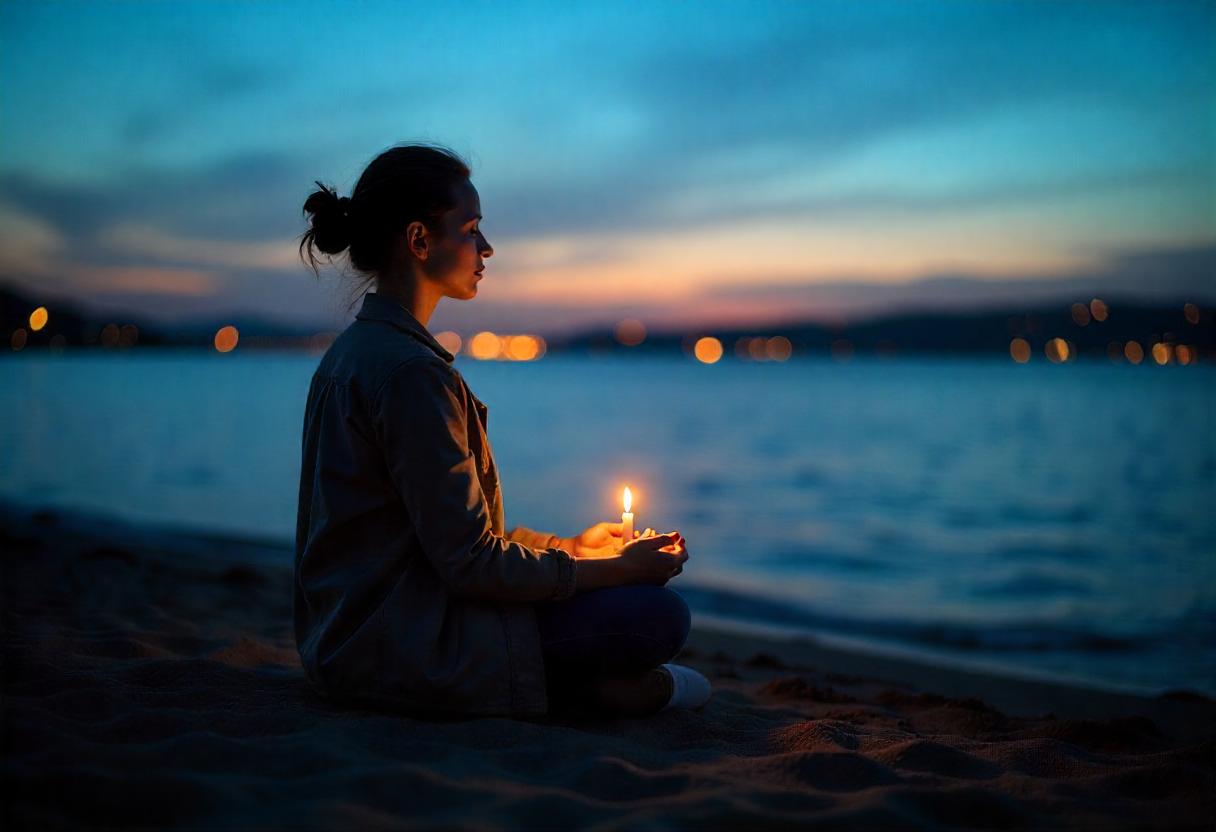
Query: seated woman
{"points": [[409, 594]]}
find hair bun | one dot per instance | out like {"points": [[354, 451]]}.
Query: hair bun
{"points": [[330, 219]]}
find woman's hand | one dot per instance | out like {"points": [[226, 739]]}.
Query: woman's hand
{"points": [[654, 558], [679, 547], [599, 541]]}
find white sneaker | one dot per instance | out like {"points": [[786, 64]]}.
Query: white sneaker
{"points": [[689, 688]]}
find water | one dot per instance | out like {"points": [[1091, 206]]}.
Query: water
{"points": [[1046, 519]]}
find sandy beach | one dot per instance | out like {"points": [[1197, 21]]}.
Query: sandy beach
{"points": [[151, 679]]}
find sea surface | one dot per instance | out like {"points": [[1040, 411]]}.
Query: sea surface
{"points": [[1049, 520]]}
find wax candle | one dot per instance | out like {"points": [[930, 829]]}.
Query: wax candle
{"points": [[627, 518]]}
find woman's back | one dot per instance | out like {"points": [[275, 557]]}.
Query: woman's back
{"points": [[406, 592]]}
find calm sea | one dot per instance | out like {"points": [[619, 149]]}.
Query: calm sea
{"points": [[1052, 520]]}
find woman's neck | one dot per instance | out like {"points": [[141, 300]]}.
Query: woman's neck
{"points": [[421, 304]]}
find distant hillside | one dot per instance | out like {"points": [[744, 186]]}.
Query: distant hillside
{"points": [[70, 326], [985, 331]]}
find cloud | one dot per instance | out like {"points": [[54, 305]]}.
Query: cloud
{"points": [[158, 280], [245, 196], [1152, 276], [142, 242], [28, 244]]}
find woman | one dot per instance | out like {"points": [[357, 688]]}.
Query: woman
{"points": [[408, 592]]}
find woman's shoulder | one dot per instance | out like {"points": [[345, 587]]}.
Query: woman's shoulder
{"points": [[371, 356]]}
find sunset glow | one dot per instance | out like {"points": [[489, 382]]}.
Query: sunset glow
{"points": [[718, 182]]}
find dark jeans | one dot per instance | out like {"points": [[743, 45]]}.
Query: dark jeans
{"points": [[612, 631]]}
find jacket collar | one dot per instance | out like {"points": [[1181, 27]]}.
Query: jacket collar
{"points": [[378, 308]]}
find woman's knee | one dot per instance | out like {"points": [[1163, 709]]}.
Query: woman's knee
{"points": [[672, 618]]}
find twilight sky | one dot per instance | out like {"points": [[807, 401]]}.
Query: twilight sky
{"points": [[675, 162]]}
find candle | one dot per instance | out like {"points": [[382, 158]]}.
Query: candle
{"points": [[627, 518]]}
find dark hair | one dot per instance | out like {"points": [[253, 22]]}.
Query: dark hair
{"points": [[403, 184]]}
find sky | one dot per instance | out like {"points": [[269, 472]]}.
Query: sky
{"points": [[677, 162]]}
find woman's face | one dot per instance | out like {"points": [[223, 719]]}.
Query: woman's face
{"points": [[455, 261]]}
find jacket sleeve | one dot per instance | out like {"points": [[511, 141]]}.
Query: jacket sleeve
{"points": [[420, 415], [534, 539]]}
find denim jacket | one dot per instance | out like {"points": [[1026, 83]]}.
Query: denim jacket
{"points": [[407, 591]]}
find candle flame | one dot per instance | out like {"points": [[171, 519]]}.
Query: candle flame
{"points": [[628, 500]]}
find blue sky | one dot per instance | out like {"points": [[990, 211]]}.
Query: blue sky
{"points": [[677, 162]]}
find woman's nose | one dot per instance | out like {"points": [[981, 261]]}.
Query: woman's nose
{"points": [[486, 249]]}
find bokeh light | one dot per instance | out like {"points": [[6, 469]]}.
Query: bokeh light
{"points": [[1162, 353], [485, 346], [226, 338], [1056, 350], [707, 350], [522, 348], [18, 339], [1099, 309], [779, 348], [110, 335], [128, 335], [1019, 350], [630, 332], [757, 349], [1191, 311], [1080, 314], [449, 340], [38, 318], [1133, 352], [1184, 354]]}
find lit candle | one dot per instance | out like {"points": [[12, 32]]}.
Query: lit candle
{"points": [[627, 518]]}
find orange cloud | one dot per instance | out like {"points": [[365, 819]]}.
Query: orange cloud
{"points": [[160, 280]]}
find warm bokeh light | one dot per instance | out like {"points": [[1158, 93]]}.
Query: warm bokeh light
{"points": [[449, 340], [1184, 354], [1019, 350], [630, 332], [1080, 314], [842, 349], [522, 347], [779, 348], [1056, 350], [38, 318], [110, 335], [743, 347], [757, 349], [490, 346], [1133, 352], [707, 350], [226, 338], [18, 339], [485, 346], [1162, 353], [1098, 309], [627, 499], [1191, 311]]}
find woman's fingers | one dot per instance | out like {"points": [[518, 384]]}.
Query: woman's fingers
{"points": [[658, 542]]}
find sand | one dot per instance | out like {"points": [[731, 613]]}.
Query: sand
{"points": [[151, 679]]}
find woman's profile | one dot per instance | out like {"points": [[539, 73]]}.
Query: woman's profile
{"points": [[408, 592]]}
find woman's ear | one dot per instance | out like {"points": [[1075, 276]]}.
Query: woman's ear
{"points": [[416, 240]]}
